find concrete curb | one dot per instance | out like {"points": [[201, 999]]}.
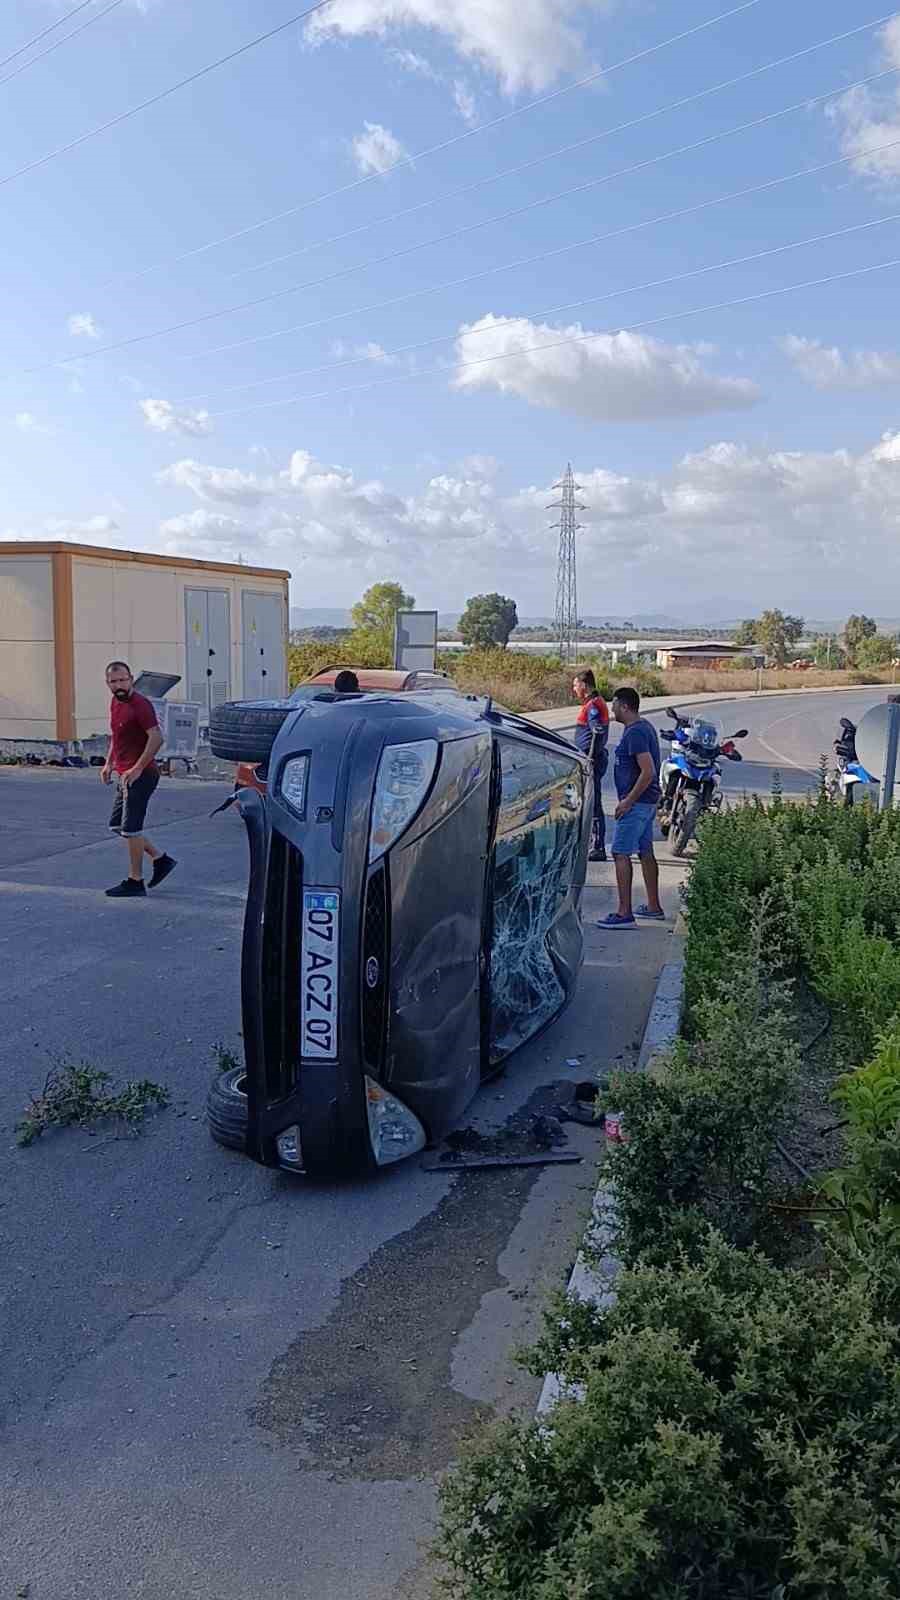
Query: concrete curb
{"points": [[594, 1280]]}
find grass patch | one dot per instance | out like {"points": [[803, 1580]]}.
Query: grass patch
{"points": [[76, 1095]]}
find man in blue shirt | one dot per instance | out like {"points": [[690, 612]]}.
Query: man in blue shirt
{"points": [[636, 773], [591, 738]]}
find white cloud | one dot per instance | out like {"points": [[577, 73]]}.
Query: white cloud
{"points": [[27, 422], [418, 65], [162, 417], [828, 367], [526, 43], [464, 100], [870, 117], [342, 350], [213, 484], [81, 325], [377, 149], [87, 528], [794, 528], [620, 377]]}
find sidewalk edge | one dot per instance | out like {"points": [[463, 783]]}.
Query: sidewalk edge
{"points": [[593, 1279]]}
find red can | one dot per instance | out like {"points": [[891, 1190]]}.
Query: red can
{"points": [[614, 1128]]}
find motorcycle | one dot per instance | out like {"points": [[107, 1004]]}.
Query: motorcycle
{"points": [[691, 775], [851, 772]]}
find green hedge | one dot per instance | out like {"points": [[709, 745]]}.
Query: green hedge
{"points": [[737, 1436], [831, 879]]}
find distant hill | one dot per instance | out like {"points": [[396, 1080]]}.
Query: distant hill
{"points": [[319, 617]]}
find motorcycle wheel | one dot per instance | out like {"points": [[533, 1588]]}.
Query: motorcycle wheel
{"points": [[687, 824]]}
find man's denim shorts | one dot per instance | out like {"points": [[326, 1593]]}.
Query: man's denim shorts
{"points": [[634, 831]]}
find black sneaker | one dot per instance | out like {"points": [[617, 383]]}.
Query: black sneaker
{"points": [[598, 855], [128, 889], [162, 866]]}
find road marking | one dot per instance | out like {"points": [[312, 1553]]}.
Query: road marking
{"points": [[779, 754]]}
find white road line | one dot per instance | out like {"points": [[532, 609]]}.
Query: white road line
{"points": [[789, 761]]}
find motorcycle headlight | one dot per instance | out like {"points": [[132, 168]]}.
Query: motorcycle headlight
{"points": [[292, 784], [404, 775]]}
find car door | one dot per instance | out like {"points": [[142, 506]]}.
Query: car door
{"points": [[535, 936]]}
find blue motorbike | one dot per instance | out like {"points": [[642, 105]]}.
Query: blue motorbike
{"points": [[853, 779], [690, 778]]}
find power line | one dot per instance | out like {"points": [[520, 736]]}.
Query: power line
{"points": [[460, 138], [51, 28], [24, 65], [456, 233], [552, 155], [586, 338], [570, 305], [154, 100]]}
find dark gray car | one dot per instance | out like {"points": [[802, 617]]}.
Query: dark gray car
{"points": [[416, 867]]}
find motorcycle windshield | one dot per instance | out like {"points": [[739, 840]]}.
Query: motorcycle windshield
{"points": [[704, 739]]}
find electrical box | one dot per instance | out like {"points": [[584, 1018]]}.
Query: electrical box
{"points": [[179, 723]]}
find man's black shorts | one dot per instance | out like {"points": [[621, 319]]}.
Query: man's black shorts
{"points": [[130, 805]]}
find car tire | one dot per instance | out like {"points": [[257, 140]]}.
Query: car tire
{"points": [[245, 733], [226, 1109]]}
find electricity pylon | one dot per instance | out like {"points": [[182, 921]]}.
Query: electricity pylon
{"points": [[566, 621]]}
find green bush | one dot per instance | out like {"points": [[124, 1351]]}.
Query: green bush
{"points": [[831, 878], [737, 1436], [701, 1133], [865, 1191]]}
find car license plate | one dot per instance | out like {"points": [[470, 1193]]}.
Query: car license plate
{"points": [[320, 963]]}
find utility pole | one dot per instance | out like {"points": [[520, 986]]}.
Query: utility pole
{"points": [[566, 621]]}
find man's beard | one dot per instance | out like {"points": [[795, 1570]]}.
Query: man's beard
{"points": [[121, 694]]}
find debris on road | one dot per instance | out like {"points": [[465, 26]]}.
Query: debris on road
{"points": [[76, 1095]]}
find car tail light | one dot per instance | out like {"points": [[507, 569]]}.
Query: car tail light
{"points": [[404, 776], [394, 1131]]}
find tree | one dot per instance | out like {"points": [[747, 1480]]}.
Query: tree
{"points": [[827, 652], [776, 632], [856, 629], [372, 639], [488, 621], [745, 632], [876, 650]]}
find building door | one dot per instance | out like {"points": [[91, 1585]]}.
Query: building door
{"points": [[263, 645], [208, 647]]}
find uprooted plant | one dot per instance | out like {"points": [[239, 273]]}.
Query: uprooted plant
{"points": [[78, 1095]]}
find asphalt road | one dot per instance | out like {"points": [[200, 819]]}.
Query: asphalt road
{"points": [[218, 1382], [787, 734]]}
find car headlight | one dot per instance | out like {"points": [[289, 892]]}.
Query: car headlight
{"points": [[404, 774], [394, 1131], [292, 783]]}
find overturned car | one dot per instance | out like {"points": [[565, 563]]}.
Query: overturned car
{"points": [[416, 868]]}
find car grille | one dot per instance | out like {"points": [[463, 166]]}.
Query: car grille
{"points": [[281, 967], [375, 969]]}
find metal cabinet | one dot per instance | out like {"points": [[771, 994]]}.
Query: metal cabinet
{"points": [[208, 623]]}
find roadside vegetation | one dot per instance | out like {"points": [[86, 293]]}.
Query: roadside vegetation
{"points": [[530, 682], [733, 1427]]}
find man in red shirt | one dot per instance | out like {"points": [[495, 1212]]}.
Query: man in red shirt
{"points": [[591, 738], [134, 741]]}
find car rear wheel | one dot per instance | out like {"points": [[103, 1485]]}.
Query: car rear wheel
{"points": [[226, 1109], [245, 733]]}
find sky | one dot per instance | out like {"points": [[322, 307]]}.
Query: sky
{"points": [[481, 238]]}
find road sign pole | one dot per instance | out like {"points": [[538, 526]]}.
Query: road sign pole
{"points": [[889, 772]]}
